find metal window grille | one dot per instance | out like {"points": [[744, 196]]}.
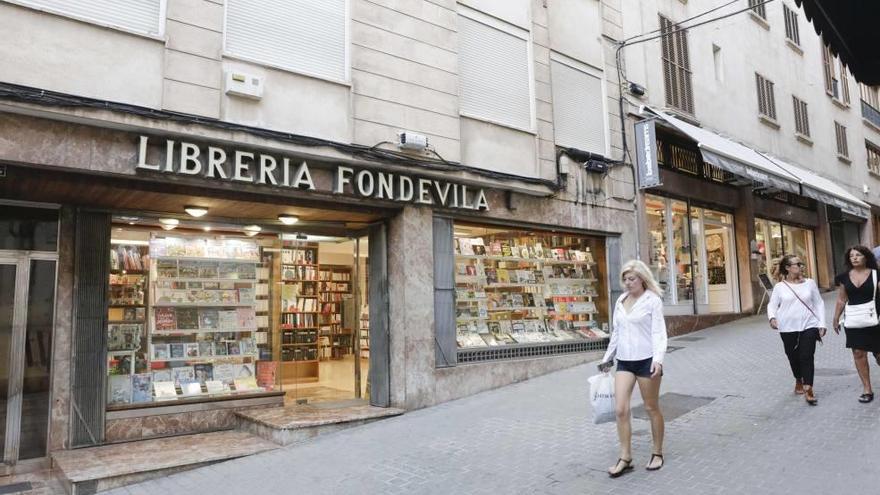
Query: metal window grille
{"points": [[676, 67], [528, 351], [870, 95], [873, 158], [801, 120], [757, 7], [791, 25], [766, 99], [840, 133]]}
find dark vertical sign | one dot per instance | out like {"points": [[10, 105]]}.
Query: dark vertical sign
{"points": [[646, 154]]}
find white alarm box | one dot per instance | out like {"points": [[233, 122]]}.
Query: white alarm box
{"points": [[245, 85]]}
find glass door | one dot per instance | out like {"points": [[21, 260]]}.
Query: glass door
{"points": [[26, 326]]}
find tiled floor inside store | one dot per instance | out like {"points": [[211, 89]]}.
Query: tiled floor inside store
{"points": [[335, 383]]}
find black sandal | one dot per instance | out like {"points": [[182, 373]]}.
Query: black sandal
{"points": [[652, 459], [865, 398], [627, 467]]}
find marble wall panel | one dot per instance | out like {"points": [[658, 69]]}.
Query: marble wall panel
{"points": [[59, 417]]}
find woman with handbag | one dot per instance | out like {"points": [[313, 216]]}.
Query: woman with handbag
{"points": [[856, 302], [638, 341], [796, 310]]}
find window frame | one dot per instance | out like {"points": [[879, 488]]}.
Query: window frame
{"points": [[593, 72], [679, 62], [766, 89], [872, 149], [801, 116], [790, 17], [758, 8], [510, 29], [841, 139], [160, 36], [345, 81]]}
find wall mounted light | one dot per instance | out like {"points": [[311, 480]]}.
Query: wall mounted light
{"points": [[196, 211], [288, 219], [169, 223]]}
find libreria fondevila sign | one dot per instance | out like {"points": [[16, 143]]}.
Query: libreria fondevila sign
{"points": [[212, 162]]}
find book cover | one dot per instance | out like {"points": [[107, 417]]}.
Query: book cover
{"points": [[247, 271], [221, 349], [246, 346], [233, 348], [161, 352], [267, 374], [209, 319], [246, 383], [204, 372], [162, 375], [215, 387], [244, 370], [224, 372], [465, 246], [506, 249], [119, 389], [246, 318], [166, 268], [187, 318], [246, 295], [191, 388], [191, 349], [176, 351], [183, 374], [478, 246], [166, 319], [503, 276], [142, 387], [164, 389], [188, 269], [228, 319], [228, 270], [208, 269], [206, 348], [494, 248]]}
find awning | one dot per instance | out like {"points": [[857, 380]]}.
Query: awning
{"points": [[764, 169], [849, 28]]}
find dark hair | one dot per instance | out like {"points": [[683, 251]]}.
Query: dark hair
{"points": [[870, 260], [784, 263]]}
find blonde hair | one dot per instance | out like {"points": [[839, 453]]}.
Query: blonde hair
{"points": [[642, 271]]}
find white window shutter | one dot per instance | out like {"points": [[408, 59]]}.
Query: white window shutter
{"points": [[494, 73], [141, 16], [578, 112], [307, 36]]}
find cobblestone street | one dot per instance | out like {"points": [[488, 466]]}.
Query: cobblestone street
{"points": [[753, 435]]}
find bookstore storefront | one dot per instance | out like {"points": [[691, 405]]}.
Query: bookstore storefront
{"points": [[775, 239]]}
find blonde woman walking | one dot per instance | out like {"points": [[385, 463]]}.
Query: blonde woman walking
{"points": [[796, 310], [638, 341]]}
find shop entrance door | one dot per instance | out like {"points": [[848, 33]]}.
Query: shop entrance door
{"points": [[719, 257], [27, 307]]}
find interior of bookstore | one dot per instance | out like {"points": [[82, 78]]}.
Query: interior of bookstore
{"points": [[199, 310]]}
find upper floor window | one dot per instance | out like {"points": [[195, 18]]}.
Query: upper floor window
{"points": [[676, 67], [873, 157], [758, 8], [836, 84], [494, 75], [306, 36], [870, 103], [842, 145], [766, 99], [137, 16], [578, 110], [801, 120], [791, 25]]}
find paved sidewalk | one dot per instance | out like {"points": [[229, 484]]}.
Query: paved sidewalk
{"points": [[756, 436]]}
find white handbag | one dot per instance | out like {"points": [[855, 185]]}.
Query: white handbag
{"points": [[862, 315]]}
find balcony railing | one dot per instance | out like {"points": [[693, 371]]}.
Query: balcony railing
{"points": [[870, 113]]}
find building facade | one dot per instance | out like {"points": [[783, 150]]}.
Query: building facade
{"points": [[207, 206], [766, 145]]}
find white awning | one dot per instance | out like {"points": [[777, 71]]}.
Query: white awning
{"points": [[743, 161]]}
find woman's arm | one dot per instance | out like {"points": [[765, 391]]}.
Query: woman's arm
{"points": [[658, 337], [612, 342], [838, 309], [772, 306]]}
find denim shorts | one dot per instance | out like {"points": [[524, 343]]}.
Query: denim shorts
{"points": [[640, 368]]}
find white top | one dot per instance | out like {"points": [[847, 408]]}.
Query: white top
{"points": [[639, 334], [791, 315]]}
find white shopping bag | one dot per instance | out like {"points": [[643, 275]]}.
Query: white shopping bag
{"points": [[602, 398]]}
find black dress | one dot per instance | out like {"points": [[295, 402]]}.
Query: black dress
{"points": [[866, 339]]}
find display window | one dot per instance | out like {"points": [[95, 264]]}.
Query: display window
{"points": [[774, 240], [516, 286], [691, 254], [225, 312]]}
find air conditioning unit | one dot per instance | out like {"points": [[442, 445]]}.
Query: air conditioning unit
{"points": [[411, 141]]}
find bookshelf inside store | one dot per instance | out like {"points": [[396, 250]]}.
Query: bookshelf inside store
{"points": [[335, 287], [300, 312], [526, 287]]}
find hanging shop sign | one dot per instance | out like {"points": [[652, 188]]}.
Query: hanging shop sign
{"points": [[646, 154], [212, 162]]}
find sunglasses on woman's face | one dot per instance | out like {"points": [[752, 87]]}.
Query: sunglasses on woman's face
{"points": [[796, 264]]}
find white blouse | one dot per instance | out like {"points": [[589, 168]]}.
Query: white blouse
{"points": [[792, 315], [639, 334]]}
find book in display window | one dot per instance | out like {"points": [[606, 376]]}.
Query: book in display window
{"points": [[528, 287], [188, 319]]}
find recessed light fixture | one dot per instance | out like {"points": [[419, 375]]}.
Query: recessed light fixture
{"points": [[288, 219], [196, 211], [206, 228], [252, 230], [169, 223]]}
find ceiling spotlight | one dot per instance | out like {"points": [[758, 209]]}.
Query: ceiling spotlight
{"points": [[169, 223], [252, 230], [196, 211], [288, 219], [206, 228]]}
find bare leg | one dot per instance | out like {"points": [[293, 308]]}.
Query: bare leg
{"points": [[860, 358], [624, 382], [650, 390]]}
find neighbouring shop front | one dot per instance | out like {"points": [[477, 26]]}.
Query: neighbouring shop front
{"points": [[173, 282], [721, 214]]}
